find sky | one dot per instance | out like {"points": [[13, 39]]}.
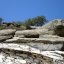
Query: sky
{"points": [[21, 10]]}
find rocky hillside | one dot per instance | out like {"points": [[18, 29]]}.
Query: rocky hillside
{"points": [[52, 24], [36, 46]]}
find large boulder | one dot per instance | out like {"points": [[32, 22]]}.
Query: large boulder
{"points": [[48, 39], [3, 38], [46, 29], [52, 24], [31, 33], [7, 32], [46, 43], [11, 53]]}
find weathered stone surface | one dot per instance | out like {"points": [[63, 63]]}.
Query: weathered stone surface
{"points": [[31, 32], [11, 58], [47, 43], [41, 45], [23, 48], [7, 32], [46, 47], [46, 29], [2, 38], [53, 40], [29, 49], [34, 32], [52, 24], [11, 53], [48, 36], [20, 36]]}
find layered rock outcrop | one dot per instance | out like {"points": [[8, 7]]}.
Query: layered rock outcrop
{"points": [[37, 46], [6, 34], [11, 53], [48, 43]]}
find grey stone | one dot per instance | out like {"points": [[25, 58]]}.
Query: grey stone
{"points": [[48, 36], [50, 40], [7, 32], [2, 38], [16, 50], [46, 29], [49, 57], [52, 24], [31, 33]]}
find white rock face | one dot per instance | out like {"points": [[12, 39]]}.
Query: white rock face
{"points": [[5, 37], [45, 43], [46, 47], [23, 50], [53, 24], [31, 32], [7, 32], [48, 36], [20, 47], [10, 59], [23, 54], [17, 58], [46, 29], [44, 40]]}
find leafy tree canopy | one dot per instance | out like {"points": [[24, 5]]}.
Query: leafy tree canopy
{"points": [[37, 21], [1, 20]]}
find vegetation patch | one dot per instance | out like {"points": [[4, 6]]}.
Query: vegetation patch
{"points": [[59, 30], [1, 28]]}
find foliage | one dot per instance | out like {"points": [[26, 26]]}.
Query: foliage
{"points": [[37, 21], [1, 19], [10, 24], [59, 30], [30, 22], [40, 20], [23, 27], [1, 27]]}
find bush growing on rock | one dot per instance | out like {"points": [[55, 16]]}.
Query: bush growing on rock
{"points": [[23, 27], [2, 27], [37, 21], [59, 30]]}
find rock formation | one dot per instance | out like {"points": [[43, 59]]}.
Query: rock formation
{"points": [[37, 46]]}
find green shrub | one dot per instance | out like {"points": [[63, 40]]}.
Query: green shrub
{"points": [[1, 27], [23, 27], [59, 30]]}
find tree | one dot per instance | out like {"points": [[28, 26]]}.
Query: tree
{"points": [[37, 21], [30, 22], [1, 27], [1, 20], [40, 20]]}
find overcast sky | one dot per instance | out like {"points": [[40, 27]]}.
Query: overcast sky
{"points": [[20, 10]]}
